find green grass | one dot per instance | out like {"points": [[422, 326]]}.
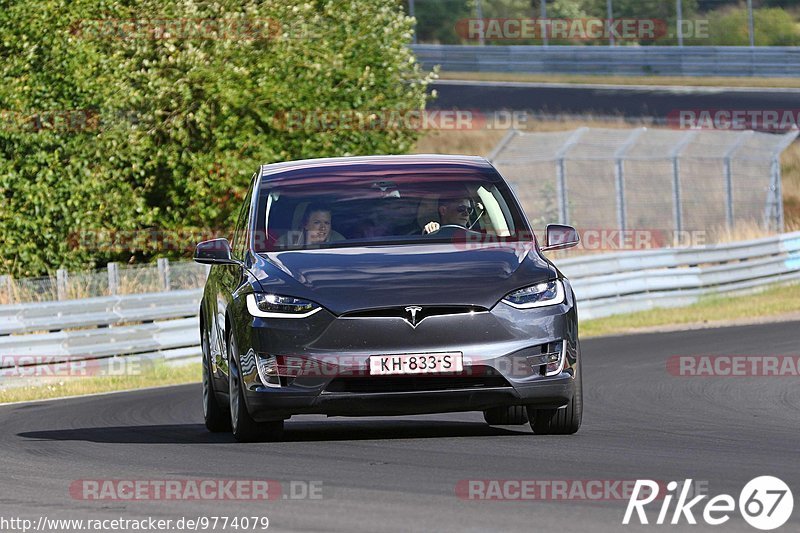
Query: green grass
{"points": [[578, 79], [773, 302], [151, 376]]}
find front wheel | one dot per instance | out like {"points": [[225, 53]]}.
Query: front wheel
{"points": [[244, 428], [216, 418]]}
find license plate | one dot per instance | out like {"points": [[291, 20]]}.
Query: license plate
{"points": [[422, 363]]}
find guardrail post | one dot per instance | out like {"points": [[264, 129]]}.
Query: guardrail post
{"points": [[728, 193], [62, 277], [561, 175], [775, 199], [610, 21], [774, 208], [543, 16], [479, 16], [729, 214], [163, 273], [561, 191], [5, 284], [619, 176], [113, 278], [676, 194], [676, 180], [619, 182]]}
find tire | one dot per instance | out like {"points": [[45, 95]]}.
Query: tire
{"points": [[244, 428], [514, 415], [565, 421], [217, 418]]}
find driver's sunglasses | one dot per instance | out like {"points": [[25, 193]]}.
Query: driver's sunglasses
{"points": [[465, 209]]}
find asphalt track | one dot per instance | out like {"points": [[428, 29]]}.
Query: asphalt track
{"points": [[608, 100], [399, 474]]}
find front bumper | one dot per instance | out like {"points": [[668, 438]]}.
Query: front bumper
{"points": [[496, 345], [272, 404]]}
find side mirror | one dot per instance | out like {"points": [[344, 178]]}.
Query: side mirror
{"points": [[214, 252], [560, 236]]}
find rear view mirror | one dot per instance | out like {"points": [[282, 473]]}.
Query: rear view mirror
{"points": [[560, 237], [214, 252]]}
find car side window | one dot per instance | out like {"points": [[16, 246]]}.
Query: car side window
{"points": [[240, 234]]}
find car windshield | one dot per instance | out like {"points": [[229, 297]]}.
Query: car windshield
{"points": [[364, 205]]}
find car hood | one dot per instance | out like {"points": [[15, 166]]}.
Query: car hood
{"points": [[349, 279]]}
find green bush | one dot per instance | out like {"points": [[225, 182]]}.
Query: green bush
{"points": [[773, 27], [165, 133], [437, 20]]}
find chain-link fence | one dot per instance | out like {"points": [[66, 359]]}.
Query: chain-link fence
{"points": [[115, 279], [673, 181]]}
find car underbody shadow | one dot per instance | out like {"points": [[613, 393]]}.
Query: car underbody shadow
{"points": [[296, 431]]}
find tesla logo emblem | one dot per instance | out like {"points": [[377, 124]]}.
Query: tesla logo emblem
{"points": [[413, 310]]}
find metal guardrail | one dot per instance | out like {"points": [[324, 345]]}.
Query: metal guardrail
{"points": [[773, 61], [164, 326], [618, 283], [150, 327]]}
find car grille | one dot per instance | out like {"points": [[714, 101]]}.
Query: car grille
{"points": [[418, 383], [427, 311]]}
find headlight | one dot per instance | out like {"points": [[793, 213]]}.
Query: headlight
{"points": [[543, 294], [273, 306]]}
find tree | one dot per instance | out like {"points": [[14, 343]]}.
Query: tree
{"points": [[176, 123], [437, 20], [773, 27]]}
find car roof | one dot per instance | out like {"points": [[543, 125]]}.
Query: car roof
{"points": [[376, 160]]}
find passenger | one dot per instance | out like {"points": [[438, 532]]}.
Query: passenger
{"points": [[315, 229], [452, 212]]}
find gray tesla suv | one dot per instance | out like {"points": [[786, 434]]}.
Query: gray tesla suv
{"points": [[386, 285]]}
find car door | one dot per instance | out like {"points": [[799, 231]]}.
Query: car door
{"points": [[231, 277]]}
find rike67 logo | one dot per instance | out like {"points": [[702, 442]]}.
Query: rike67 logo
{"points": [[765, 503]]}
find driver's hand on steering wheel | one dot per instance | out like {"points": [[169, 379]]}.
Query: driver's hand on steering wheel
{"points": [[431, 227]]}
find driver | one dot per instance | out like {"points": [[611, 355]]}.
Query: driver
{"points": [[452, 212]]}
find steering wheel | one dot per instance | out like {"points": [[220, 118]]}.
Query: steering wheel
{"points": [[449, 230], [446, 226]]}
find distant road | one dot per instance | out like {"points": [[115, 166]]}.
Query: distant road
{"points": [[623, 100]]}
